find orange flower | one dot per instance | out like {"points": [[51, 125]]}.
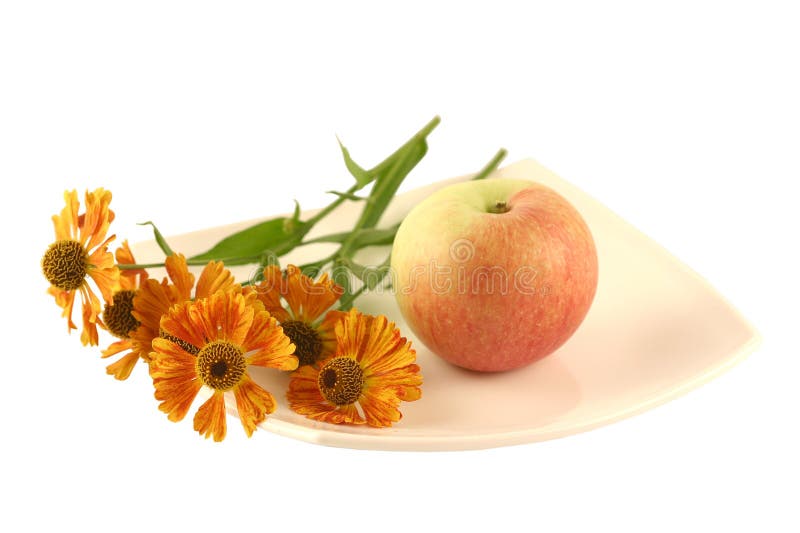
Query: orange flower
{"points": [[373, 369], [231, 332], [153, 300], [81, 252], [118, 315], [299, 302]]}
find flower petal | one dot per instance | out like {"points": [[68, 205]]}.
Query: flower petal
{"points": [[397, 355], [230, 316], [66, 223], [90, 307], [210, 418], [185, 323], [122, 369], [179, 274], [116, 347], [326, 331], [384, 349], [253, 404], [273, 349], [152, 301], [96, 219], [309, 299], [65, 300], [129, 279], [106, 279], [214, 277], [406, 382], [268, 292], [380, 406], [174, 377], [351, 332]]}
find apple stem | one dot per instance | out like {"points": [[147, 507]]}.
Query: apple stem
{"points": [[499, 207]]}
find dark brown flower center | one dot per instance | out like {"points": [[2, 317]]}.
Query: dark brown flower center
{"points": [[190, 348], [64, 264], [308, 345], [118, 315], [340, 380], [221, 365], [219, 369]]}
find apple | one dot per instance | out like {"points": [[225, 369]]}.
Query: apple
{"points": [[492, 275]]}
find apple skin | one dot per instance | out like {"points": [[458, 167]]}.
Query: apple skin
{"points": [[451, 255]]}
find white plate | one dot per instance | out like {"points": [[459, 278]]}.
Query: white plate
{"points": [[655, 331]]}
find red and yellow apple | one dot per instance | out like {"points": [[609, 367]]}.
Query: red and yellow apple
{"points": [[492, 275]]}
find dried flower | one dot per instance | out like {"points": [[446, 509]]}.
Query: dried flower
{"points": [[231, 333], [373, 369]]}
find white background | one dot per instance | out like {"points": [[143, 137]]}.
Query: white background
{"points": [[680, 116]]}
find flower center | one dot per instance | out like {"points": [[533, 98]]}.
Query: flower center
{"points": [[64, 264], [189, 348], [118, 315], [220, 365], [308, 345], [340, 380]]}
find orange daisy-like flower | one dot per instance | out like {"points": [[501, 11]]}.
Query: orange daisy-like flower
{"points": [[118, 315], [299, 302], [231, 332], [81, 252], [373, 369], [152, 300]]}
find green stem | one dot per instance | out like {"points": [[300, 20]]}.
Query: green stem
{"points": [[138, 266], [388, 162], [389, 175], [330, 207], [491, 165], [317, 265], [365, 237], [189, 262], [346, 301], [421, 134]]}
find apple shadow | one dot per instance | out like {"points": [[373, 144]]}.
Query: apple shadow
{"points": [[460, 401]]}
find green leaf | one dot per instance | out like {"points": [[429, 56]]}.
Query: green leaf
{"points": [[162, 242], [291, 224], [296, 214], [361, 176], [253, 244]]}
